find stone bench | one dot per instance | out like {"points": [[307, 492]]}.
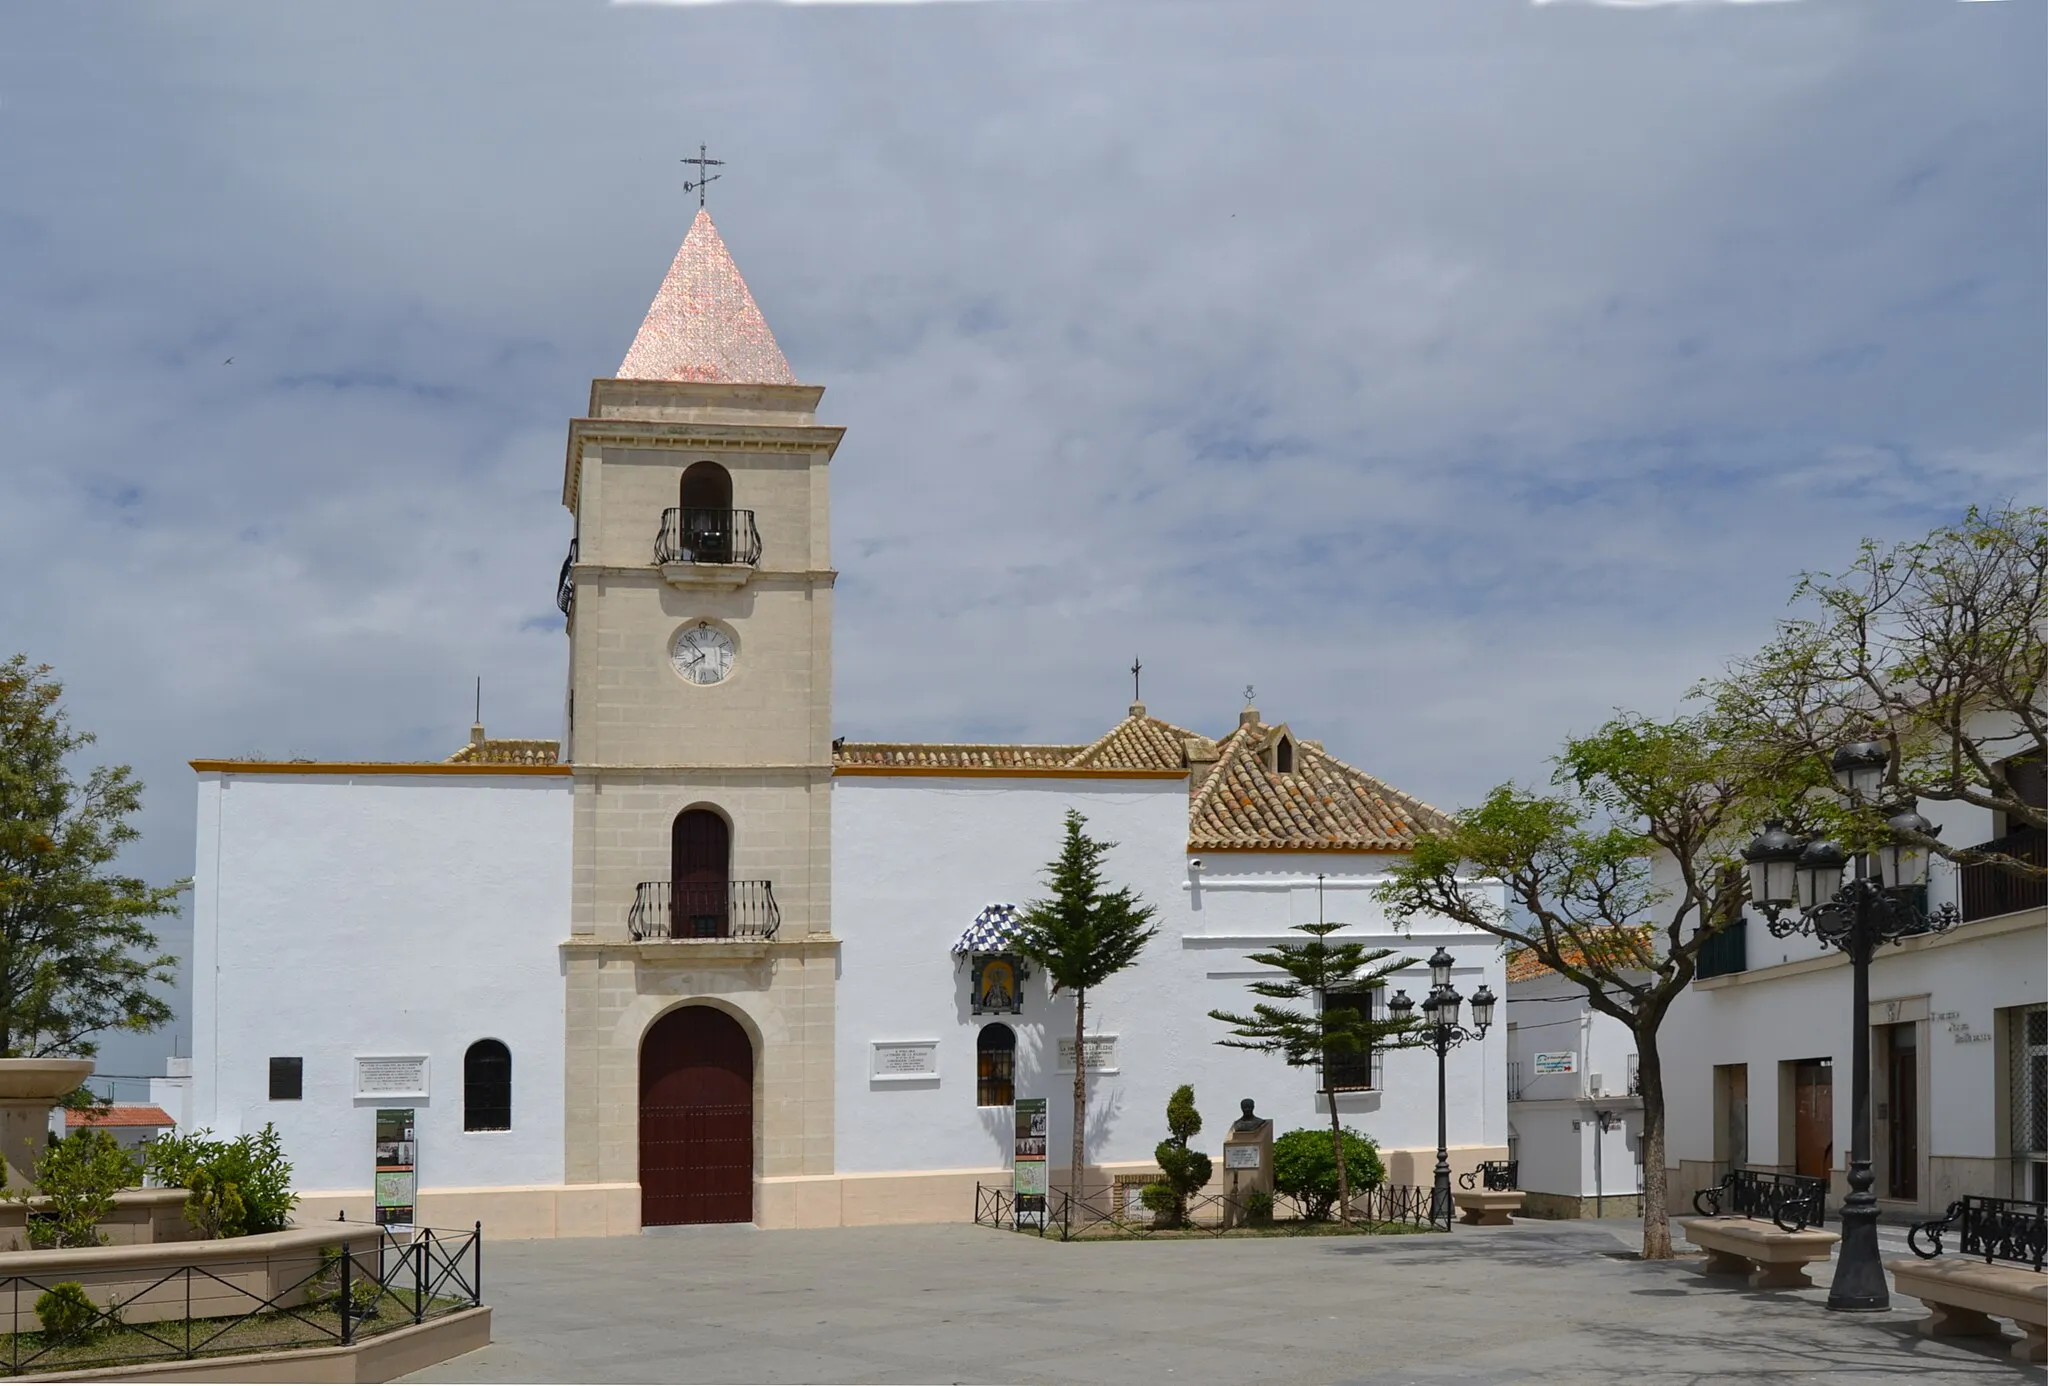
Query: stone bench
{"points": [[1963, 1297], [1772, 1259], [1487, 1207]]}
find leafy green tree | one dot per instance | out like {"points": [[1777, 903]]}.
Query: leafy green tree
{"points": [[76, 1180], [77, 955], [1937, 648], [1186, 1170], [1305, 1168], [1083, 934], [1615, 882], [1325, 1033]]}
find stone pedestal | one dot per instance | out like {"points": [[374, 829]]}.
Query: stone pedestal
{"points": [[29, 1088], [1247, 1161]]}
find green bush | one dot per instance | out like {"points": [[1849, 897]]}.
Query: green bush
{"points": [[1305, 1167], [1185, 1170], [68, 1314], [76, 1180], [1258, 1206], [236, 1188]]}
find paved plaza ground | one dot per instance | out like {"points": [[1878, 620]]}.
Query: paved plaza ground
{"points": [[1540, 1301]]}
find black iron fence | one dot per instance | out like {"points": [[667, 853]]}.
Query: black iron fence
{"points": [[1493, 1176], [1995, 887], [368, 1280], [707, 536], [1996, 1229], [1114, 1211], [693, 909], [1793, 1201]]}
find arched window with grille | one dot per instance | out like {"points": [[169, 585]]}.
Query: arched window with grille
{"points": [[995, 1066], [487, 1087]]}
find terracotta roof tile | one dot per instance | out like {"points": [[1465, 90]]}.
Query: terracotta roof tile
{"points": [[1524, 966], [1140, 742], [119, 1115], [1322, 803], [953, 755], [703, 323], [507, 751]]}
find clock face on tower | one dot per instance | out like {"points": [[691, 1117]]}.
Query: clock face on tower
{"points": [[701, 653]]}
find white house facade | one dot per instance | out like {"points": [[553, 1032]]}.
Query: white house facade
{"points": [[700, 960], [1574, 1112], [1757, 1049]]}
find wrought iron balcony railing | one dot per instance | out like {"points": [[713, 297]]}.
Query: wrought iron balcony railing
{"points": [[690, 909], [707, 536], [565, 585], [1993, 888]]}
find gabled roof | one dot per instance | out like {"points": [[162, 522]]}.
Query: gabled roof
{"points": [[1322, 804], [704, 324], [1628, 945], [1141, 742]]}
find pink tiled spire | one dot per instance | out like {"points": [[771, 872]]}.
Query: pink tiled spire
{"points": [[703, 325]]}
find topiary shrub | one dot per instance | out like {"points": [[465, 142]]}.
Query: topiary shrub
{"points": [[1305, 1167], [68, 1314], [76, 1180], [1185, 1171]]}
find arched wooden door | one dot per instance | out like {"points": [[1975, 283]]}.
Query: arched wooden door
{"points": [[696, 1120]]}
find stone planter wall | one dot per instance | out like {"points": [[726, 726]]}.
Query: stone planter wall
{"points": [[234, 1275], [141, 1217]]}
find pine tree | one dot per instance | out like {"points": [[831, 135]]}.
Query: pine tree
{"points": [[1083, 934], [1320, 1037]]}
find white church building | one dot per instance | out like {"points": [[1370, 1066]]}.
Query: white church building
{"points": [[700, 960]]}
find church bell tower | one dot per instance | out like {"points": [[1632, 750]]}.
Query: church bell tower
{"points": [[700, 963]]}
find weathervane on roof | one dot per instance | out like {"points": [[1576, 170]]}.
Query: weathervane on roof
{"points": [[1135, 668], [703, 175], [1248, 695]]}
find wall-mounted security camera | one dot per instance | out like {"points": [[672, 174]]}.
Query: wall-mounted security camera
{"points": [[1195, 864]]}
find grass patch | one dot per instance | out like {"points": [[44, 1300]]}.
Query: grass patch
{"points": [[270, 1331]]}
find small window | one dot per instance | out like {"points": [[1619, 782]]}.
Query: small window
{"points": [[995, 1066], [487, 1087], [1352, 1070], [287, 1080], [1283, 757]]}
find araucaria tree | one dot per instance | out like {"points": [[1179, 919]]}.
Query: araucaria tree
{"points": [[1614, 882], [77, 955], [1937, 648], [1336, 1032], [1082, 934]]}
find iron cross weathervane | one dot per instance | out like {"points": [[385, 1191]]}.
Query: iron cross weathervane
{"points": [[703, 174], [1136, 668]]}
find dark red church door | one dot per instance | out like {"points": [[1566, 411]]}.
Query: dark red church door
{"points": [[696, 1120]]}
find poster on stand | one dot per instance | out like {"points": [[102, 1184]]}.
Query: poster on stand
{"points": [[398, 1179], [1028, 1180]]}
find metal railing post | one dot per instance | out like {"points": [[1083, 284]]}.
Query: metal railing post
{"points": [[419, 1276], [347, 1296], [476, 1284]]}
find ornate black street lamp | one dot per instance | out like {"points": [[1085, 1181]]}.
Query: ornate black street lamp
{"points": [[1881, 904], [1441, 1032]]}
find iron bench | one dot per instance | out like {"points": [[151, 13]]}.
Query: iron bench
{"points": [[1489, 1193]]}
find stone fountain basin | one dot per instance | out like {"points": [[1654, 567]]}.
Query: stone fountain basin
{"points": [[41, 1080]]}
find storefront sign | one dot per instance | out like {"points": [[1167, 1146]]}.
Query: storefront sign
{"points": [[391, 1075], [1557, 1063], [398, 1179], [903, 1060], [1100, 1050], [1027, 1181]]}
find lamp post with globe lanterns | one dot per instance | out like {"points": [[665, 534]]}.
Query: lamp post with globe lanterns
{"points": [[1441, 1032], [1878, 905]]}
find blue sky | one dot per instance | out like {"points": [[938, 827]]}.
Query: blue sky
{"points": [[1453, 372]]}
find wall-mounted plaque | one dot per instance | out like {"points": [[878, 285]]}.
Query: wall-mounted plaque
{"points": [[903, 1060], [391, 1075], [1242, 1156], [1100, 1051]]}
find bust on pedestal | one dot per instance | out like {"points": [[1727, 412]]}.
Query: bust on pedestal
{"points": [[1248, 1159]]}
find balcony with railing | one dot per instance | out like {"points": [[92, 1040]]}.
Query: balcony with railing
{"points": [[1992, 888], [707, 547], [1725, 951], [704, 910]]}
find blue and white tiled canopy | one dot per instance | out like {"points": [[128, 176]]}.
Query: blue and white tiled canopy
{"points": [[994, 930]]}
